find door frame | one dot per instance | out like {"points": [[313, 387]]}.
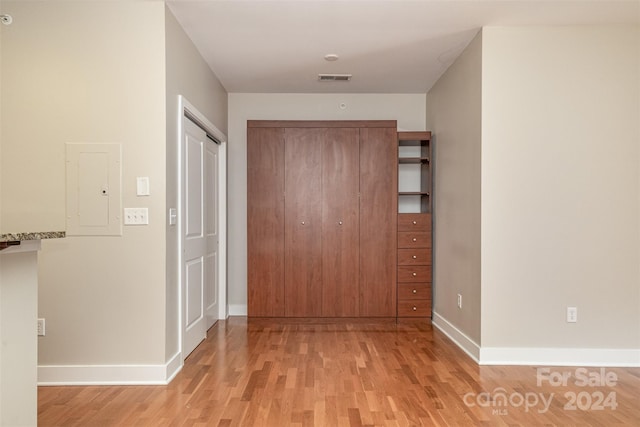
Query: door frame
{"points": [[184, 108]]}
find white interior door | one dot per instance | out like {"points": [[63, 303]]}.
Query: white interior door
{"points": [[212, 260], [200, 236]]}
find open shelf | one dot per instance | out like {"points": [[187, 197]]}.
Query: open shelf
{"points": [[412, 160], [414, 172], [413, 193]]}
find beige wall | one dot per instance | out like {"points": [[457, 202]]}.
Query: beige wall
{"points": [[560, 187], [190, 76], [89, 72], [407, 109], [88, 81], [453, 115]]}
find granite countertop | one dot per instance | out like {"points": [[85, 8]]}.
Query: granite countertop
{"points": [[16, 237]]}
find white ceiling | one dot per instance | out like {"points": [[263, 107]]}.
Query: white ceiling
{"points": [[392, 46]]}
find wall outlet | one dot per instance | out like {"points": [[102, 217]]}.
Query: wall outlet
{"points": [[572, 314], [459, 300], [40, 327]]}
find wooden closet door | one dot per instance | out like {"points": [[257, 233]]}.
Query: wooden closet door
{"points": [[303, 222], [340, 223], [265, 222], [378, 221]]}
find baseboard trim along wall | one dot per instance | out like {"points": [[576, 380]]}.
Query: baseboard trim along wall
{"points": [[593, 357], [465, 343], [237, 309], [56, 375]]}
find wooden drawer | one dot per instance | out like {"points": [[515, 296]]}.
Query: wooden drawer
{"points": [[418, 256], [414, 291], [418, 273], [414, 222], [413, 239], [420, 308]]}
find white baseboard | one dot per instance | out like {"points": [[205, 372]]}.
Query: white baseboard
{"points": [[237, 309], [594, 357], [174, 365], [465, 343], [52, 375]]}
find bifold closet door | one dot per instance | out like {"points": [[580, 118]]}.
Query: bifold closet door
{"points": [[340, 222], [378, 221], [265, 222], [322, 226], [303, 222]]}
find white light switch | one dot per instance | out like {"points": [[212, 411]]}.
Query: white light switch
{"points": [[136, 216], [142, 186], [173, 216]]}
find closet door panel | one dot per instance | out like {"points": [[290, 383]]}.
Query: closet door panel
{"points": [[340, 223], [378, 221], [303, 222], [265, 222]]}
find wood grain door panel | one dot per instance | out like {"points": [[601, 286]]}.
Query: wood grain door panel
{"points": [[340, 223], [265, 222], [414, 222], [378, 221], [418, 273], [322, 220], [303, 222], [410, 239], [418, 256], [420, 308], [414, 291]]}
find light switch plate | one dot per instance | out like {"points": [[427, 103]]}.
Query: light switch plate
{"points": [[142, 186], [136, 216]]}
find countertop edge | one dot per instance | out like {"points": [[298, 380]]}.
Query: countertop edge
{"points": [[40, 235]]}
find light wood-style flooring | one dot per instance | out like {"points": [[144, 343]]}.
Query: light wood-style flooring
{"points": [[276, 372]]}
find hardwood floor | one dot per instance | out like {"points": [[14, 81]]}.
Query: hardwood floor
{"points": [[276, 372]]}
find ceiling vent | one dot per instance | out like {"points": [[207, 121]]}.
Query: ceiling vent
{"points": [[334, 77]]}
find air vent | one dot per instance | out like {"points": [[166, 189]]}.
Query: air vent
{"points": [[334, 77]]}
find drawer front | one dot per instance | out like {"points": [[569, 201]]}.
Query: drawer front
{"points": [[414, 222], [418, 273], [411, 239], [414, 308], [414, 291], [419, 256]]}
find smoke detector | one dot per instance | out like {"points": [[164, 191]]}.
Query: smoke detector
{"points": [[334, 77]]}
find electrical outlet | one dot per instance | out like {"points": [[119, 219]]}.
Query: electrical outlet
{"points": [[40, 327], [136, 216], [572, 314], [459, 300]]}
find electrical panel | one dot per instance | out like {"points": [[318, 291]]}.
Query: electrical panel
{"points": [[94, 194]]}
